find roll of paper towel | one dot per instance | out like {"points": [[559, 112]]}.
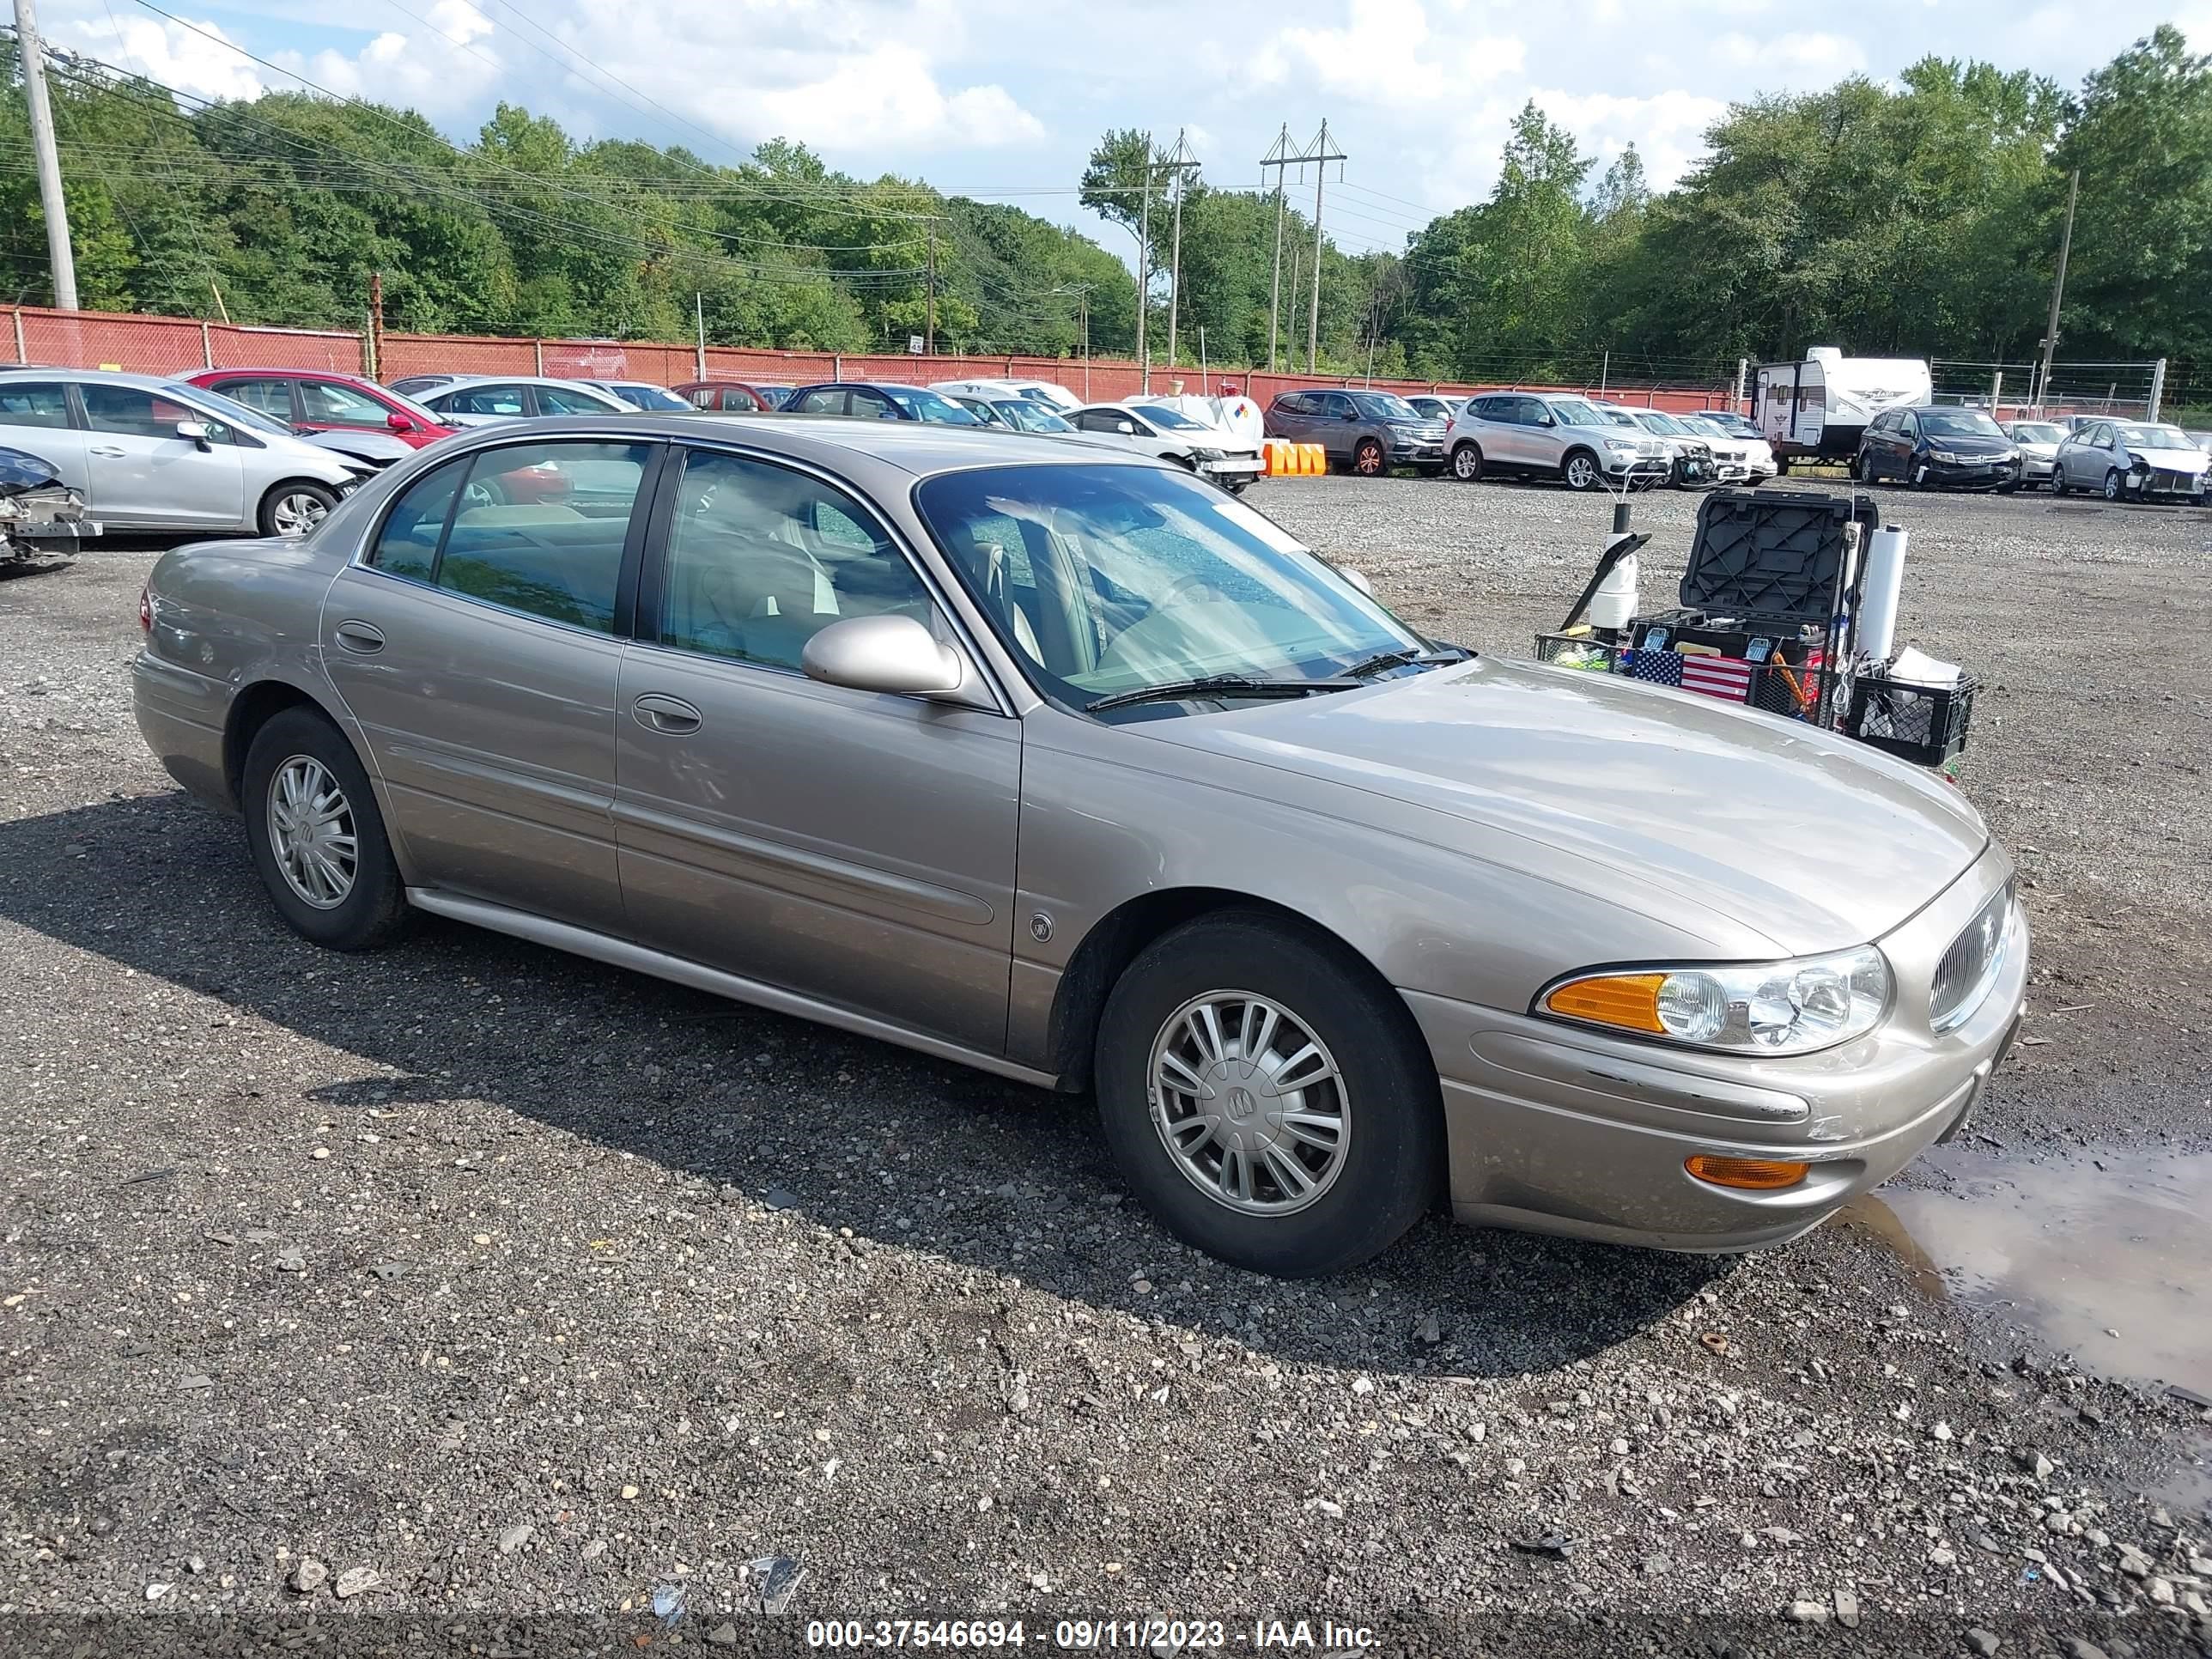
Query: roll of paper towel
{"points": [[1885, 580]]}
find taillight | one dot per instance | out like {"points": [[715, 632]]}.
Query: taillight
{"points": [[146, 609]]}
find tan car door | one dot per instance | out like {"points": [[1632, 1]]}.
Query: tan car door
{"points": [[855, 848]]}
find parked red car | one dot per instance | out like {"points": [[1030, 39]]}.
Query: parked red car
{"points": [[723, 396], [320, 400]]}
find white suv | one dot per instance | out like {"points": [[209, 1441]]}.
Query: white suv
{"points": [[1553, 435]]}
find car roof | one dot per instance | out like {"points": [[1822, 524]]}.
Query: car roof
{"points": [[866, 385], [921, 448], [508, 379], [94, 376], [199, 374]]}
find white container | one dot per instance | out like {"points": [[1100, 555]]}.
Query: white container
{"points": [[1879, 595]]}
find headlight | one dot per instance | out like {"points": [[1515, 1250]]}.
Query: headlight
{"points": [[1206, 454], [2135, 463], [1789, 1007], [1942, 455], [1622, 445]]}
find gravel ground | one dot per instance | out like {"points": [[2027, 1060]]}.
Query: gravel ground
{"points": [[471, 1297]]}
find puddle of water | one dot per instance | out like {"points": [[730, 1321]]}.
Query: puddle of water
{"points": [[2074, 1250]]}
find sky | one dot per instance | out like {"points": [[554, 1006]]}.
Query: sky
{"points": [[1002, 100]]}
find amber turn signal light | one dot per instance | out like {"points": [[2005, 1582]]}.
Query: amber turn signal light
{"points": [[1628, 1000], [1757, 1175]]}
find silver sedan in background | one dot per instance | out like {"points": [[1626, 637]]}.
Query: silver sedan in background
{"points": [[1062, 763], [2039, 442]]}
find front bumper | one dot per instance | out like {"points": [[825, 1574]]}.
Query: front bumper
{"points": [[1234, 468], [2036, 471], [1552, 1128], [1636, 466], [1966, 475], [2165, 484], [1416, 452]]}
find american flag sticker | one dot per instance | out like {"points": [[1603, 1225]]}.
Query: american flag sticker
{"points": [[1730, 678]]}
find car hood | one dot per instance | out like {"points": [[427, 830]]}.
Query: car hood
{"points": [[2179, 459], [1969, 444], [1680, 805]]}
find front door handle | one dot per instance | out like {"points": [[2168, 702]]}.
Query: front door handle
{"points": [[106, 449], [657, 712], [359, 636]]}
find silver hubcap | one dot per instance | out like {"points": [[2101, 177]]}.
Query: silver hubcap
{"points": [[1580, 472], [310, 832], [1249, 1103], [2111, 486], [295, 515]]}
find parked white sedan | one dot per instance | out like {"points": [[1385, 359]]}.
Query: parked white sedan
{"points": [[152, 455], [2124, 459], [481, 399], [1152, 429]]}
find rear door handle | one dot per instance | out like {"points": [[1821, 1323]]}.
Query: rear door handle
{"points": [[359, 636], [658, 712]]}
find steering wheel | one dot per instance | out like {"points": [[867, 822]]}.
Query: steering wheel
{"points": [[1184, 584]]}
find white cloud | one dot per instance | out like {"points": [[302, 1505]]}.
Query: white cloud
{"points": [[441, 65], [1667, 129], [164, 51], [1794, 59], [1386, 54]]}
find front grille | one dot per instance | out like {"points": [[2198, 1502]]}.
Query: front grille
{"points": [[1970, 967]]}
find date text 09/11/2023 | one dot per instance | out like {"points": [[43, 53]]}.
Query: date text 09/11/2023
{"points": [[1092, 1635]]}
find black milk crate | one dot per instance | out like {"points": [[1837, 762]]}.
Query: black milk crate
{"points": [[1792, 689], [1924, 724]]}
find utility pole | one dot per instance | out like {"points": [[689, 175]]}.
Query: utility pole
{"points": [[2058, 284], [1322, 154], [699, 359], [929, 337], [375, 319], [1181, 164], [1279, 157], [50, 200], [1145, 266], [1082, 292]]}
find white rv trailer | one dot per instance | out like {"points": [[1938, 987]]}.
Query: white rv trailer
{"points": [[1816, 410]]}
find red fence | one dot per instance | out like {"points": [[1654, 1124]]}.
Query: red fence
{"points": [[179, 345]]}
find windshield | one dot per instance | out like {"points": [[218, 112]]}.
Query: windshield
{"points": [[1104, 579], [1737, 424], [2037, 432], [1032, 417], [1958, 423], [929, 406], [1654, 421], [2154, 437], [1385, 407], [1698, 426], [231, 410], [1574, 412], [648, 397], [1173, 419]]}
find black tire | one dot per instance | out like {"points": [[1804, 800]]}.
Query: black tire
{"points": [[1866, 469], [1368, 460], [294, 497], [1781, 466], [1467, 462], [1591, 475], [2058, 484], [2009, 488], [1393, 1165], [375, 912], [2115, 486]]}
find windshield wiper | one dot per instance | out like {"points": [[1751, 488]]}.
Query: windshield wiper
{"points": [[1217, 685], [1382, 659]]}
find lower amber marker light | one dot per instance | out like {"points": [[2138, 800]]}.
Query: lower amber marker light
{"points": [[1757, 1175]]}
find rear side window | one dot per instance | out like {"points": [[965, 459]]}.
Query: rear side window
{"points": [[273, 397], [25, 403], [559, 400], [829, 400], [485, 400], [540, 528], [408, 544]]}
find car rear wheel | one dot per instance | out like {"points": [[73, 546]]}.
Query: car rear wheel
{"points": [[1579, 470], [1467, 462], [1264, 1099], [293, 508], [1367, 459], [316, 837], [2113, 486]]}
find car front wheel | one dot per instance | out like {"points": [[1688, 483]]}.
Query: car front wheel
{"points": [[316, 837], [2114, 485], [1265, 1100], [2058, 484], [294, 508], [1579, 470], [1866, 469], [1368, 460], [1467, 462]]}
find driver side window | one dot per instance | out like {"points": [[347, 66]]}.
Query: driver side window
{"points": [[762, 558]]}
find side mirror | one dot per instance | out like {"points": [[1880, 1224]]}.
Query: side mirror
{"points": [[893, 654], [400, 422], [194, 431], [1125, 428]]}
